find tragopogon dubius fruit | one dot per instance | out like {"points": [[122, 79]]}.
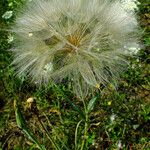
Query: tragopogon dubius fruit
{"points": [[82, 40]]}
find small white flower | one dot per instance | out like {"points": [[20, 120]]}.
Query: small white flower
{"points": [[130, 5], [132, 48], [48, 67], [7, 14], [119, 145], [112, 117]]}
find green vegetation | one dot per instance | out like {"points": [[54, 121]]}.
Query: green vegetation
{"points": [[53, 118]]}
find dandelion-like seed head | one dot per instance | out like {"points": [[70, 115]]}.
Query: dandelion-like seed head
{"points": [[82, 40]]}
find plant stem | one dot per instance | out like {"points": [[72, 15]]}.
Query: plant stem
{"points": [[76, 134], [85, 126], [85, 132]]}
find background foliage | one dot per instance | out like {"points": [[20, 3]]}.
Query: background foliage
{"points": [[119, 120]]}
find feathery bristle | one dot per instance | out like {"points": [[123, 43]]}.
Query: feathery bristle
{"points": [[83, 40]]}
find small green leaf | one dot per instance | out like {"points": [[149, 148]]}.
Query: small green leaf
{"points": [[91, 104], [19, 117]]}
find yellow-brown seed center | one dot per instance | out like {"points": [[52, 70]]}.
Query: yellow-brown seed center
{"points": [[74, 41]]}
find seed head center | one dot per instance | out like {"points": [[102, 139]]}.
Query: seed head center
{"points": [[74, 41]]}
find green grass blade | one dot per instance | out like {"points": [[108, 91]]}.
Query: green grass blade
{"points": [[22, 124], [76, 134], [56, 133]]}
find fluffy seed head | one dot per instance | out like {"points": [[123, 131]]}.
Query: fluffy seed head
{"points": [[82, 40]]}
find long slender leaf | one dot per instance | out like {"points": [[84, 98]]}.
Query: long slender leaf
{"points": [[76, 133], [61, 140], [22, 124]]}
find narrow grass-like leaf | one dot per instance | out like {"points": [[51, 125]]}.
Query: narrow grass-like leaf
{"points": [[48, 135], [19, 117], [22, 124], [33, 138], [56, 134], [76, 134]]}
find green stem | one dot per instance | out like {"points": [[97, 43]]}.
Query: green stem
{"points": [[76, 134], [85, 132], [85, 126]]}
